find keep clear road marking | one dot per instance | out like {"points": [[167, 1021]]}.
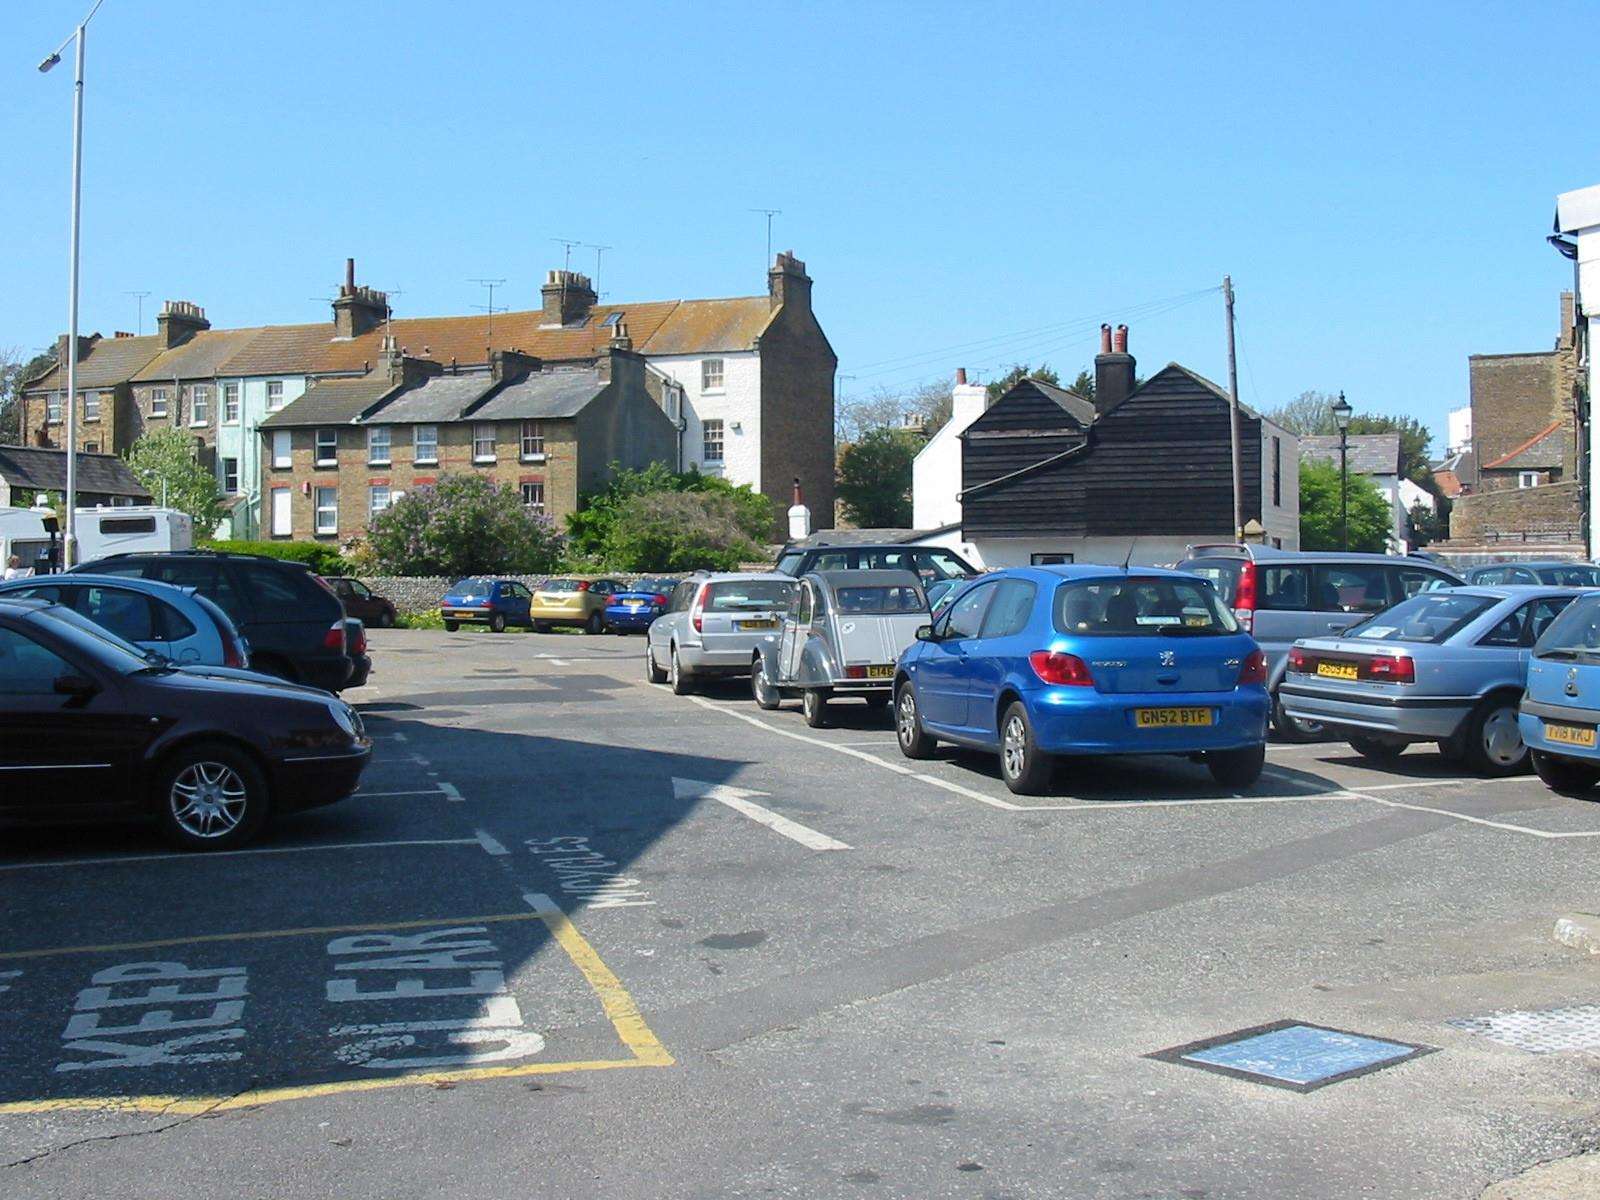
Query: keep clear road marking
{"points": [[736, 799]]}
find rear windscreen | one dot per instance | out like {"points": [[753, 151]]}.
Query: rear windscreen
{"points": [[1574, 635], [1223, 574], [1430, 617], [471, 587], [564, 585], [1576, 575], [761, 595], [884, 600], [1135, 607]]}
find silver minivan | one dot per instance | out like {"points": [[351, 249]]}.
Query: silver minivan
{"points": [[1280, 596], [713, 625]]}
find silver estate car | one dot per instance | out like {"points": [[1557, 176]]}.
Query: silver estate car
{"points": [[1445, 667], [712, 626], [842, 636]]}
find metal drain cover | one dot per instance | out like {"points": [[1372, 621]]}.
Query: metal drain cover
{"points": [[1575, 1027], [1292, 1054]]}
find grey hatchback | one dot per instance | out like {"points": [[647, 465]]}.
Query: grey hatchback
{"points": [[1281, 596], [713, 625]]}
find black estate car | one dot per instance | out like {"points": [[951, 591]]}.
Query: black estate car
{"points": [[90, 726], [291, 618]]}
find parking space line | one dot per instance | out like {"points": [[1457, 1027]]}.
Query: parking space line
{"points": [[189, 856], [450, 792], [1548, 834], [394, 795], [490, 844]]}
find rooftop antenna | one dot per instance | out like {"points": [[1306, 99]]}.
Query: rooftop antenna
{"points": [[599, 251], [489, 308], [1129, 558], [770, 213], [388, 309], [138, 325], [568, 244]]}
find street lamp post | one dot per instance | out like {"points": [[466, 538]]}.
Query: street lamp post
{"points": [[69, 549], [1341, 418]]}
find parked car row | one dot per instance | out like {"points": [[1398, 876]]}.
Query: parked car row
{"points": [[594, 605]]}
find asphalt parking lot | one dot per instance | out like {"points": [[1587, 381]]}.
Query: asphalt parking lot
{"points": [[578, 936]]}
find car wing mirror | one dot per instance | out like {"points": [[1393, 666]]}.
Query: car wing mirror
{"points": [[78, 687], [925, 634]]}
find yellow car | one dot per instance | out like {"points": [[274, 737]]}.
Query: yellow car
{"points": [[572, 601]]}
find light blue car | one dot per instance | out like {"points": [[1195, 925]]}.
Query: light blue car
{"points": [[1445, 667], [175, 622], [1561, 708]]}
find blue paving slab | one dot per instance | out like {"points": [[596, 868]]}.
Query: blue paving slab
{"points": [[1293, 1054]]}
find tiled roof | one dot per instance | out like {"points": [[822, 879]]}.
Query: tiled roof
{"points": [[46, 470], [108, 362], [437, 398], [703, 326], [332, 402], [286, 350], [542, 394], [201, 356], [1547, 448], [1369, 453]]}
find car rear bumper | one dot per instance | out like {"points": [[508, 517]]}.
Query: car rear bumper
{"points": [[722, 659], [1533, 716], [1068, 721], [627, 618], [322, 779], [560, 616], [466, 616], [361, 671], [329, 674], [1419, 718]]}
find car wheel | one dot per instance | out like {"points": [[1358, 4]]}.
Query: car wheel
{"points": [[386, 619], [652, 672], [1292, 729], [766, 696], [1564, 775], [1025, 768], [211, 796], [541, 626], [1493, 743], [595, 624], [814, 704], [682, 683], [451, 626], [497, 622], [1237, 768], [1377, 748], [915, 742]]}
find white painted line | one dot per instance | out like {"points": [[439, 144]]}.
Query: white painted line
{"points": [[182, 856], [450, 793], [1415, 783], [1455, 816], [558, 662], [735, 798], [420, 761], [800, 737], [391, 795], [884, 742], [490, 844]]}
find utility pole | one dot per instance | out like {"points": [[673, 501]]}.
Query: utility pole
{"points": [[138, 324], [1233, 412], [770, 213]]}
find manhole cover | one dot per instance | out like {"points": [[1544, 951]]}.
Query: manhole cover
{"points": [[1576, 1027], [1292, 1054]]}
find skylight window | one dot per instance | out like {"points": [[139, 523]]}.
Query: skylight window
{"points": [[614, 319]]}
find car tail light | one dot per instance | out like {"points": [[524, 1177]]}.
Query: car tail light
{"points": [[1299, 661], [698, 612], [1244, 598], [659, 600], [232, 651], [359, 646], [1052, 666], [583, 585], [1254, 669], [856, 672], [334, 638], [1398, 668]]}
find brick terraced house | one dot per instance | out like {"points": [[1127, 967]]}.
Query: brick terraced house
{"points": [[746, 381]]}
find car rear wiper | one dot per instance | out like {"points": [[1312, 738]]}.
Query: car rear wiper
{"points": [[1190, 630]]}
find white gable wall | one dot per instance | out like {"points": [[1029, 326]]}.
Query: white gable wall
{"points": [[737, 404]]}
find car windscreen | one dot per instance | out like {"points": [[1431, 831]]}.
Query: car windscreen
{"points": [[1223, 574], [1575, 575], [651, 587], [471, 587], [1574, 636], [755, 595], [105, 647], [1133, 606], [886, 601], [1430, 617]]}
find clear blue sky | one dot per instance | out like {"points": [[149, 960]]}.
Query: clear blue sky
{"points": [[1377, 178]]}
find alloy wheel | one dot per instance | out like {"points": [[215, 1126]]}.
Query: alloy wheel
{"points": [[1014, 748], [906, 717], [208, 799]]}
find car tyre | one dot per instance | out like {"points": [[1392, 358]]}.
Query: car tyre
{"points": [[1237, 768], [1562, 774], [1493, 744], [766, 696], [681, 681], [497, 623], [814, 705], [386, 619], [541, 626], [451, 626], [1377, 749], [652, 671], [595, 624], [1024, 767], [915, 741], [1291, 729], [211, 796]]}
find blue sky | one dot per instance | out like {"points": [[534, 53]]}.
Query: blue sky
{"points": [[970, 184]]}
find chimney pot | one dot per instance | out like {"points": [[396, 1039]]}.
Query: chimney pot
{"points": [[961, 375], [349, 275], [1119, 341], [1113, 370], [1105, 339]]}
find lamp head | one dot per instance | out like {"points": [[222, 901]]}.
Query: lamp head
{"points": [[1341, 413], [49, 62]]}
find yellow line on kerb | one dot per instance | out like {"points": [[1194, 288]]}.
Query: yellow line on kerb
{"points": [[619, 1007]]}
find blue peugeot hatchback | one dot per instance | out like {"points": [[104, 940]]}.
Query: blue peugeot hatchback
{"points": [[1561, 708], [492, 602], [1034, 662]]}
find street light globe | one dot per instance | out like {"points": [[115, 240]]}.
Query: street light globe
{"points": [[1341, 413]]}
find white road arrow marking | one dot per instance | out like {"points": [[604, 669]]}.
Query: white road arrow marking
{"points": [[737, 799]]}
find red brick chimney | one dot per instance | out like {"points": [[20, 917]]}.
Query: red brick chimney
{"points": [[1113, 370], [358, 310]]}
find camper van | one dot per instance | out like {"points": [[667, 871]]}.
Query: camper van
{"points": [[34, 534]]}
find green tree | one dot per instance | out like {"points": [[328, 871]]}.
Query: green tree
{"points": [[875, 479], [15, 370], [1415, 438], [681, 531], [463, 525], [165, 463], [1307, 414], [1370, 520], [1017, 374], [589, 529], [1084, 385]]}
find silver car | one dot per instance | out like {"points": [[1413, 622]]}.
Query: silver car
{"points": [[842, 636], [712, 626], [1445, 667]]}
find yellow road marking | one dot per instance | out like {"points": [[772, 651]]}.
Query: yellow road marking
{"points": [[619, 1007]]}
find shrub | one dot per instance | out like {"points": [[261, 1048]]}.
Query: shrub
{"points": [[323, 559], [590, 529], [463, 525], [875, 479], [1370, 517], [679, 531]]}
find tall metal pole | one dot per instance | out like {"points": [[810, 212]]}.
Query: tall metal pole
{"points": [[1233, 412], [69, 553], [1344, 487]]}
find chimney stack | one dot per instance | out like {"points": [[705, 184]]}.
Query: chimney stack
{"points": [[568, 296], [511, 364], [179, 321], [787, 283], [961, 376], [358, 310], [1113, 370], [799, 516]]}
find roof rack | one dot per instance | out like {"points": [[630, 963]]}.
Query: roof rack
{"points": [[199, 552]]}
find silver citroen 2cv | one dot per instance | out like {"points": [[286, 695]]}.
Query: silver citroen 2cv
{"points": [[842, 635]]}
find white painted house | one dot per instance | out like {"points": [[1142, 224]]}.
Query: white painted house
{"points": [[936, 471], [1578, 224]]}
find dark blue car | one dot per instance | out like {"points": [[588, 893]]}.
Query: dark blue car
{"points": [[643, 601], [1034, 662], [482, 601]]}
